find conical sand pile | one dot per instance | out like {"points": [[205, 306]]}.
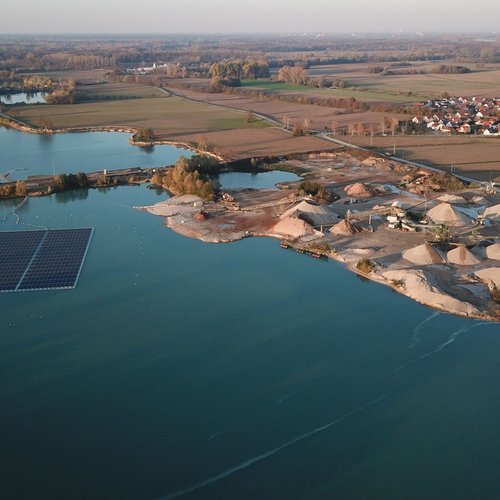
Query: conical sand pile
{"points": [[344, 228], [317, 215], [451, 198], [479, 200], [357, 190], [462, 256], [423, 254], [492, 213], [444, 213], [490, 274], [493, 251], [292, 227]]}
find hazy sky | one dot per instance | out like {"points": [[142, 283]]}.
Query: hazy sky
{"points": [[171, 16]]}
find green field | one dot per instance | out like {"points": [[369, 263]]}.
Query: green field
{"points": [[358, 94]]}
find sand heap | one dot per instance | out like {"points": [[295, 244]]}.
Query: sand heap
{"points": [[424, 289], [344, 228], [293, 227], [451, 198], [357, 190], [444, 213], [316, 215], [201, 216], [177, 205], [423, 254], [493, 251], [479, 200], [490, 274], [400, 204], [462, 256], [492, 213]]}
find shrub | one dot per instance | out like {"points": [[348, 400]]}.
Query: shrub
{"points": [[145, 135], [397, 283], [365, 266], [495, 293], [299, 131]]}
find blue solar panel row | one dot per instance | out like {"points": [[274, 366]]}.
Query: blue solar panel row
{"points": [[42, 260], [16, 252]]}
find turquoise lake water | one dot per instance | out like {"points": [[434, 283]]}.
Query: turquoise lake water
{"points": [[263, 180], [234, 371], [25, 154]]}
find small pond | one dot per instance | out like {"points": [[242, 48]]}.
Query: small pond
{"points": [[23, 97], [261, 180]]}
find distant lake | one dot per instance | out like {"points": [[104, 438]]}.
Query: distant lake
{"points": [[25, 154], [23, 97], [263, 180]]}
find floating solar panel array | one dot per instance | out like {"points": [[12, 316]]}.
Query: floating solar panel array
{"points": [[42, 260]]}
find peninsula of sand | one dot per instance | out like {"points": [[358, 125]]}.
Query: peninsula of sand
{"points": [[427, 234]]}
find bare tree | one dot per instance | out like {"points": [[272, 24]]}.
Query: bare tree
{"points": [[394, 125]]}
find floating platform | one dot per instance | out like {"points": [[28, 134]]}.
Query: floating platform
{"points": [[43, 259]]}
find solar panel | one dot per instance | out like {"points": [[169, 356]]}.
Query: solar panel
{"points": [[42, 260]]}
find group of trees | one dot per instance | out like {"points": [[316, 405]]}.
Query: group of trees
{"points": [[64, 94], [197, 53], [407, 69], [239, 69], [12, 82], [444, 69], [144, 135], [189, 176], [63, 182], [296, 75], [12, 190], [318, 192]]}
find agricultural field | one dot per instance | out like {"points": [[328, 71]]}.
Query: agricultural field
{"points": [[113, 91], [317, 117], [273, 86], [232, 122], [484, 80], [245, 143], [476, 157], [229, 133], [170, 115]]}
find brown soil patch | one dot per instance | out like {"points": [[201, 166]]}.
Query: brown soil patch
{"points": [[257, 142], [475, 157], [318, 117]]}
